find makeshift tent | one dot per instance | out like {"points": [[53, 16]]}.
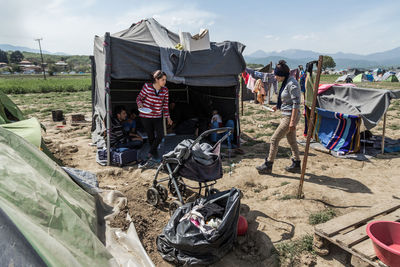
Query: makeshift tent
{"points": [[46, 218], [9, 111], [368, 104], [363, 78], [123, 61]]}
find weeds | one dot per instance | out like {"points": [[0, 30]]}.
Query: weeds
{"points": [[291, 249], [284, 183], [287, 197], [321, 217]]}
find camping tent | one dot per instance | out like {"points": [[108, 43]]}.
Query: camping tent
{"points": [[345, 78], [363, 78], [123, 61], [46, 218], [9, 111], [392, 78]]}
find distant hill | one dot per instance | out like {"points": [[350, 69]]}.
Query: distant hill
{"points": [[296, 57], [8, 47]]}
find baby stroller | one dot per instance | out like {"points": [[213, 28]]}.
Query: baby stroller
{"points": [[184, 162]]}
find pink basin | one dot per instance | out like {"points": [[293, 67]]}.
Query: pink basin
{"points": [[385, 236]]}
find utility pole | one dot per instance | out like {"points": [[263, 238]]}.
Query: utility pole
{"points": [[40, 48]]}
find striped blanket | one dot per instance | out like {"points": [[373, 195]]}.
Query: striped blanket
{"points": [[337, 131]]}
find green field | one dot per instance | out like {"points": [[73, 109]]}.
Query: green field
{"points": [[71, 93], [25, 84]]}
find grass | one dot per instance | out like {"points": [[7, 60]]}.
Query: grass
{"points": [[287, 197], [292, 249], [285, 183], [321, 217], [25, 85], [40, 105]]}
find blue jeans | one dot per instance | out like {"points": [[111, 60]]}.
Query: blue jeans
{"points": [[215, 136]]}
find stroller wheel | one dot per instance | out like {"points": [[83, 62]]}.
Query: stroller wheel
{"points": [[181, 187], [162, 191], [174, 206], [153, 197]]}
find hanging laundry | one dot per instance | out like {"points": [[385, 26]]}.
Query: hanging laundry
{"points": [[260, 91], [251, 83]]}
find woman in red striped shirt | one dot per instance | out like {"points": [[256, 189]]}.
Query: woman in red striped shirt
{"points": [[154, 96]]}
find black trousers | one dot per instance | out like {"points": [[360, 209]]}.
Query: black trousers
{"points": [[151, 126]]}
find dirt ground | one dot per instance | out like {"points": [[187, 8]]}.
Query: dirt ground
{"points": [[274, 216]]}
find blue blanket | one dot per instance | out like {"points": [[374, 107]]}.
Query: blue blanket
{"points": [[337, 131]]}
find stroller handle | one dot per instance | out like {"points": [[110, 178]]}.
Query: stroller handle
{"points": [[208, 132]]}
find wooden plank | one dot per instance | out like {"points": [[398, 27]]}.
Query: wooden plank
{"points": [[340, 223], [360, 234], [375, 262], [365, 249]]}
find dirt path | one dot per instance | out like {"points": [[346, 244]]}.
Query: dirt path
{"points": [[274, 216]]}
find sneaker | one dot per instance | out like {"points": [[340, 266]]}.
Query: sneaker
{"points": [[147, 164]]}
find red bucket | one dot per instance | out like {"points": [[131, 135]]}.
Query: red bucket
{"points": [[385, 236]]}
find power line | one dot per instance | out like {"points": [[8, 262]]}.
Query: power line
{"points": [[40, 48]]}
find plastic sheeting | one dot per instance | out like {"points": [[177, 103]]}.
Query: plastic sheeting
{"points": [[370, 104], [184, 243], [53, 214]]}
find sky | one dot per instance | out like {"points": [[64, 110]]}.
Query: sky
{"points": [[69, 26]]}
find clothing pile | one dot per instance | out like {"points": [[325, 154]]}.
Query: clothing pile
{"points": [[206, 217]]}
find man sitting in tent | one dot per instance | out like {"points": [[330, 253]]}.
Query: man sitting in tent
{"points": [[119, 138]]}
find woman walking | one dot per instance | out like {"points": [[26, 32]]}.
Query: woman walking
{"points": [[289, 104], [152, 102]]}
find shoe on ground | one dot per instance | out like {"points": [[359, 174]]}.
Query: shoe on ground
{"points": [[295, 167], [265, 168]]}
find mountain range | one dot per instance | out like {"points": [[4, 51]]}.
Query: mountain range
{"points": [[8, 47], [295, 57]]}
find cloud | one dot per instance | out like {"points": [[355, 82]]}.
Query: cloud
{"points": [[305, 37], [268, 36], [70, 26]]}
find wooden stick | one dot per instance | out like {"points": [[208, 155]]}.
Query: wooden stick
{"points": [[310, 128], [383, 133]]}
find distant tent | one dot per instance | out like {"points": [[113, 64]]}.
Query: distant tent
{"points": [[398, 76], [345, 78], [392, 78], [362, 78], [9, 111]]}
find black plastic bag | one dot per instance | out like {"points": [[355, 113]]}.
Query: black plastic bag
{"points": [[182, 243]]}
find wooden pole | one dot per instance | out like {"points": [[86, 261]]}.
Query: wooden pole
{"points": [[383, 133], [310, 127]]}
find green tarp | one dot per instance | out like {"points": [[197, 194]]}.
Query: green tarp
{"points": [[9, 111], [28, 129], [52, 212]]}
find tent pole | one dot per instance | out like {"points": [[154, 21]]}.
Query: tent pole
{"points": [[310, 127], [108, 125], [383, 133]]}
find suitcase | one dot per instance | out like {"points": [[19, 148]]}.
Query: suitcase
{"points": [[119, 156], [123, 156]]}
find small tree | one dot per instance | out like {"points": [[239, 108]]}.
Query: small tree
{"points": [[3, 56], [16, 57], [15, 68], [328, 62]]}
